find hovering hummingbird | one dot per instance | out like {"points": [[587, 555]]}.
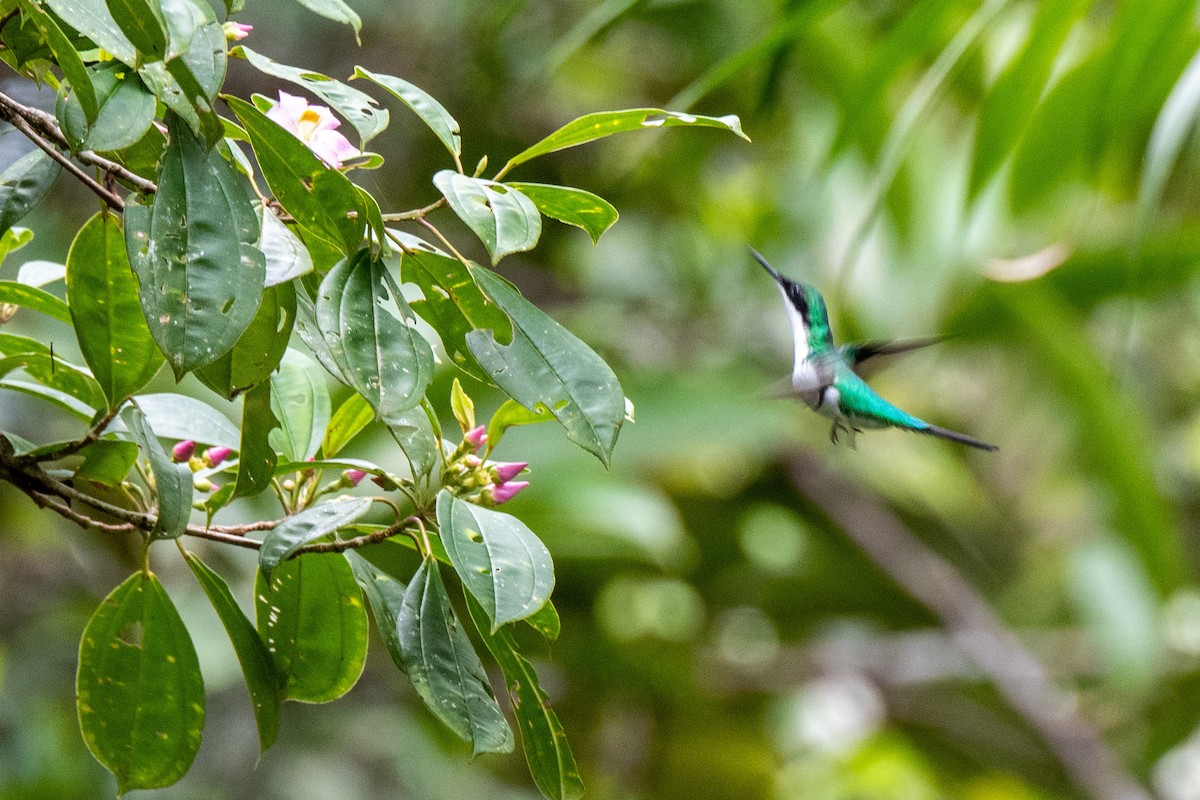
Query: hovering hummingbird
{"points": [[824, 375]]}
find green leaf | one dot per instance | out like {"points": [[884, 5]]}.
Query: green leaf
{"points": [[573, 206], [415, 434], [23, 185], [177, 416], [173, 482], [306, 526], [335, 10], [1174, 125], [257, 667], [546, 365], [453, 303], [57, 374], [93, 19], [66, 55], [256, 457], [506, 221], [139, 693], [443, 666], [385, 595], [286, 255], [590, 127], [547, 752], [312, 618], [18, 294], [193, 252], [504, 566], [512, 413], [348, 421], [13, 240], [357, 107], [368, 328], [300, 401], [546, 621], [174, 83], [1009, 106], [127, 111], [259, 350], [106, 462], [112, 333], [142, 23], [59, 398], [431, 112], [318, 198]]}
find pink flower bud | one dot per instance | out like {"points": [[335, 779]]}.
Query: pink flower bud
{"points": [[379, 481], [507, 491], [476, 437], [505, 471], [236, 31], [353, 476], [472, 461], [213, 456], [183, 451]]}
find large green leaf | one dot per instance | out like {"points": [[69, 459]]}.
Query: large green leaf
{"points": [[259, 350], [385, 594], [548, 366], [300, 401], [35, 299], [23, 185], [139, 693], [547, 752], [357, 107], [354, 414], [453, 304], [573, 206], [93, 19], [443, 666], [415, 434], [66, 55], [590, 127], [172, 482], [109, 326], [320, 199], [431, 112], [368, 328], [312, 618], [256, 457], [285, 254], [502, 563], [306, 526], [55, 373], [54, 396], [142, 23], [193, 251], [106, 461], [257, 667], [127, 111], [177, 416], [506, 221]]}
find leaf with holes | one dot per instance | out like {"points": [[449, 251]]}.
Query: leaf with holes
{"points": [[506, 221], [258, 352], [139, 693], [431, 112], [504, 566]]}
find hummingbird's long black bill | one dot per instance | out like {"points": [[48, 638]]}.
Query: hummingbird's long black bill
{"points": [[942, 433], [765, 265]]}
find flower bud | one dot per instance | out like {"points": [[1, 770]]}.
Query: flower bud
{"points": [[505, 471], [472, 460], [476, 437], [353, 477], [213, 456], [183, 451], [202, 484], [507, 491], [236, 31]]}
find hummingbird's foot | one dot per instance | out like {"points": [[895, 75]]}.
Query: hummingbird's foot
{"points": [[833, 433]]}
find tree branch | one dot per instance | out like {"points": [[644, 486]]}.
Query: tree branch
{"points": [[973, 626]]}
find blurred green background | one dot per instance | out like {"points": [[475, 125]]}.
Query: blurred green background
{"points": [[1018, 176]]}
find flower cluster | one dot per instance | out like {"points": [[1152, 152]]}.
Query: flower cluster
{"points": [[487, 483]]}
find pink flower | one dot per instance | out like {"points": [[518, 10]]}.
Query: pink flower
{"points": [[476, 437], [213, 456], [236, 31], [315, 126], [353, 476], [505, 471], [183, 451], [507, 491]]}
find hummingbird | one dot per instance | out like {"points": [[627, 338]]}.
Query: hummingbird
{"points": [[824, 375]]}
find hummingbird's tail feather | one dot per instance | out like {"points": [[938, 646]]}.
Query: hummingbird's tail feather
{"points": [[942, 433], [765, 265]]}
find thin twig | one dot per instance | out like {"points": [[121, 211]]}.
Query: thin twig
{"points": [[111, 198], [974, 627], [71, 448]]}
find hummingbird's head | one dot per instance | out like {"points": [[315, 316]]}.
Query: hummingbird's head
{"points": [[795, 293]]}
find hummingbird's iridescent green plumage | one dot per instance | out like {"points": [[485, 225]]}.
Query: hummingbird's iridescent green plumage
{"points": [[824, 377]]}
